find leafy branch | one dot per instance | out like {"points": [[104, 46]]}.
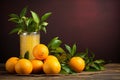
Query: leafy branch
{"points": [[34, 23], [91, 63], [64, 56]]}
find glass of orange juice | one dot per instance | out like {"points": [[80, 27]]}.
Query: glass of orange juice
{"points": [[27, 42]]}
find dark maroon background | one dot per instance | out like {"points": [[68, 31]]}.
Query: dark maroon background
{"points": [[92, 24]]}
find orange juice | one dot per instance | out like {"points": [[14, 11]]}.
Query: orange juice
{"points": [[27, 42]]}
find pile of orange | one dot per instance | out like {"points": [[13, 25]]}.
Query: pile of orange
{"points": [[43, 62]]}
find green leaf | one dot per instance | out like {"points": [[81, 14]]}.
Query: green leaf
{"points": [[35, 17], [63, 72], [60, 50], [15, 30], [81, 54], [45, 16], [14, 16], [68, 48], [87, 68], [26, 56], [73, 51], [44, 24], [28, 21], [66, 68], [90, 59], [14, 20], [54, 43], [87, 61], [57, 50], [91, 66], [100, 61], [102, 67], [20, 31], [23, 12], [92, 54], [95, 66], [44, 29]]}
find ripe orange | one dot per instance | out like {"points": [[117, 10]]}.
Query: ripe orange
{"points": [[23, 66], [37, 65], [77, 64], [40, 51], [51, 57], [10, 64], [51, 66]]}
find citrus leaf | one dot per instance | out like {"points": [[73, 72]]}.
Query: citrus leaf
{"points": [[100, 61], [60, 50], [26, 56], [23, 12], [92, 54], [44, 24], [15, 30], [54, 43], [102, 67], [14, 15], [87, 68], [68, 48], [45, 16], [28, 21], [95, 66], [14, 20], [44, 29], [81, 54], [87, 61], [63, 72], [66, 68], [73, 51], [57, 50], [20, 31], [35, 17]]}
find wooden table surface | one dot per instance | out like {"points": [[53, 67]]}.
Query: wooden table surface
{"points": [[112, 72]]}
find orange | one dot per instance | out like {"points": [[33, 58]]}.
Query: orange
{"points": [[37, 65], [23, 66], [51, 66], [51, 57], [10, 64], [77, 64], [40, 51]]}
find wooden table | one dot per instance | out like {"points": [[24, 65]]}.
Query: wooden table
{"points": [[112, 72]]}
